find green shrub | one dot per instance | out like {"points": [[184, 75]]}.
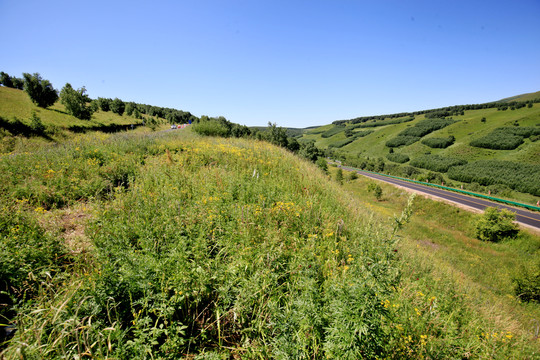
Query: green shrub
{"points": [[28, 256], [518, 176], [495, 225], [398, 158], [505, 138], [378, 123], [376, 189], [333, 131], [402, 140], [211, 127], [439, 143], [413, 134], [527, 284], [341, 143], [436, 162]]}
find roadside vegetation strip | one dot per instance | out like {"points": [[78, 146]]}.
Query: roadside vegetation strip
{"points": [[451, 278], [491, 198]]}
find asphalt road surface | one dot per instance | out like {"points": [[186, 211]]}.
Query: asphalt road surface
{"points": [[523, 216]]}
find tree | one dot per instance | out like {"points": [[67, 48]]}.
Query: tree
{"points": [[104, 104], [130, 107], [495, 225], [118, 106], [276, 135], [376, 189], [40, 90], [18, 83], [310, 151], [75, 102], [5, 80]]}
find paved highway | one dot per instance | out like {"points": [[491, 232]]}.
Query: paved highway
{"points": [[523, 216]]}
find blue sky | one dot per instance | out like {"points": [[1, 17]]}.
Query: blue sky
{"points": [[295, 63]]}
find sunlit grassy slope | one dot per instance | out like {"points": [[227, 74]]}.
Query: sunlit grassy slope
{"points": [[16, 104], [173, 245], [468, 127]]}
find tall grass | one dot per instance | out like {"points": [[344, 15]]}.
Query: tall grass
{"points": [[231, 247]]}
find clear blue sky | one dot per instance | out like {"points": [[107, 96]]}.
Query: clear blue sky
{"points": [[296, 63]]}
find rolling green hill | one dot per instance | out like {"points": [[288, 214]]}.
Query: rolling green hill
{"points": [[476, 136], [523, 97], [15, 103]]}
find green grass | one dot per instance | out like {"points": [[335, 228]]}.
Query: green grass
{"points": [[454, 285], [16, 104], [469, 127], [191, 246], [175, 245]]}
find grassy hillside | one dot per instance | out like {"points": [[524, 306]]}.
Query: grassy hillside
{"points": [[176, 246], [444, 261], [16, 104], [18, 133], [523, 97], [457, 142]]}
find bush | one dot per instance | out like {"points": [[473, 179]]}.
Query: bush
{"points": [[36, 124], [376, 189], [439, 143], [495, 225], [333, 131], [211, 127], [341, 143], [436, 162], [517, 176], [353, 175], [415, 133], [527, 284], [505, 138], [398, 158]]}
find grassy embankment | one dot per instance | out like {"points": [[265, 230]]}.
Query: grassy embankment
{"points": [[175, 245], [469, 280], [58, 125]]}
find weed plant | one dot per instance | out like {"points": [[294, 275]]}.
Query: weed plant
{"points": [[201, 246]]}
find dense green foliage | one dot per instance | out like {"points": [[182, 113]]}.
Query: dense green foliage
{"points": [[439, 143], [436, 162], [75, 102], [517, 176], [341, 143], [398, 158], [445, 111], [117, 106], [412, 134], [40, 90], [496, 225], [425, 127], [505, 138], [527, 283], [216, 253], [333, 131], [28, 256], [383, 122], [402, 140], [11, 82], [221, 127]]}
